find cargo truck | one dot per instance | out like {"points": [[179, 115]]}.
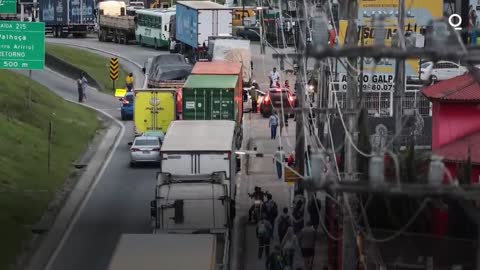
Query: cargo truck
{"points": [[114, 24], [165, 251], [195, 205], [154, 109], [195, 21], [201, 147], [214, 97], [65, 17], [236, 51]]}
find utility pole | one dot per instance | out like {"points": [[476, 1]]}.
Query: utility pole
{"points": [[399, 76], [300, 88], [349, 245]]}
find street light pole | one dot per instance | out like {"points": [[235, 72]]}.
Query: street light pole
{"points": [[399, 77]]}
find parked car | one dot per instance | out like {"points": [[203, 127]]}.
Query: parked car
{"points": [[250, 33], [126, 111], [273, 100], [442, 70], [145, 149]]}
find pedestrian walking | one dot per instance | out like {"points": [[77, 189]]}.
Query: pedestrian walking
{"points": [[298, 212], [254, 95], [278, 159], [275, 260], [129, 82], [273, 125], [289, 244], [83, 85], [80, 90], [270, 209], [284, 222], [264, 235], [306, 239], [314, 211]]}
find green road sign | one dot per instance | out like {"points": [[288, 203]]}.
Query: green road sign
{"points": [[22, 45], [8, 6]]}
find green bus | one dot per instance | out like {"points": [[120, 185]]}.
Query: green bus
{"points": [[152, 27]]}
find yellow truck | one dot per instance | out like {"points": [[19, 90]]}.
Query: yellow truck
{"points": [[154, 109]]}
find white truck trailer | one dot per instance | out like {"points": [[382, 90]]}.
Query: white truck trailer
{"points": [[164, 251], [193, 147], [196, 205]]}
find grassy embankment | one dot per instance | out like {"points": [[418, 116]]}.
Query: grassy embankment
{"points": [[26, 188], [96, 66]]}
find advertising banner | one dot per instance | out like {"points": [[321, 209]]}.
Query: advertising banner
{"points": [[418, 14]]}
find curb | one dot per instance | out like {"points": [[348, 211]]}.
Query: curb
{"points": [[49, 244]]}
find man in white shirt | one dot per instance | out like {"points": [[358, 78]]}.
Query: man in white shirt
{"points": [[274, 77]]}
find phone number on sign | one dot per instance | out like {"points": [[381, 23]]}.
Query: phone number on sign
{"points": [[373, 87]]}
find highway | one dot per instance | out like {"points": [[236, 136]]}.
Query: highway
{"points": [[120, 201]]}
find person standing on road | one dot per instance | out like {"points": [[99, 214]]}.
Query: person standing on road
{"points": [[270, 209], [80, 90], [275, 260], [289, 244], [274, 77], [298, 212], [273, 125], [284, 222], [306, 238], [129, 82], [254, 95], [83, 81], [264, 235], [279, 158]]}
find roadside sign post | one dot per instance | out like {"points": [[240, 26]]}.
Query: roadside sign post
{"points": [[114, 66], [23, 45]]}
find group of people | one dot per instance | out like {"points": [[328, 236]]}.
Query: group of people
{"points": [[292, 231], [82, 84]]}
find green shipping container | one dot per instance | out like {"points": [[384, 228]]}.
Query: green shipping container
{"points": [[211, 97]]}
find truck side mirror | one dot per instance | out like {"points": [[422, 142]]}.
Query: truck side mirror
{"points": [[178, 206]]}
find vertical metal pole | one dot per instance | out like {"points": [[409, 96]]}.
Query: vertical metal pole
{"points": [[22, 12], [243, 12], [262, 34], [300, 88], [49, 151], [399, 78], [349, 244], [30, 89]]}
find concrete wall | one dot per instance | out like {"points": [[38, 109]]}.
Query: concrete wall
{"points": [[68, 70]]}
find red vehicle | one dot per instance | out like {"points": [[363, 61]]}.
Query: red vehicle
{"points": [[277, 99]]}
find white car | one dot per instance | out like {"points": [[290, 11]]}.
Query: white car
{"points": [[145, 149], [442, 70]]}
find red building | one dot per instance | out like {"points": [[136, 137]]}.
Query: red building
{"points": [[456, 122]]}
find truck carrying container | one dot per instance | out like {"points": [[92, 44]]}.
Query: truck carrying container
{"points": [[114, 24], [162, 251], [201, 147], [214, 97], [198, 20], [65, 17], [154, 110], [197, 205]]}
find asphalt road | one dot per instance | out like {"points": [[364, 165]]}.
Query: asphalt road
{"points": [[120, 201]]}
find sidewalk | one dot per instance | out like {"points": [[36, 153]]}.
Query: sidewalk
{"points": [[261, 172]]}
